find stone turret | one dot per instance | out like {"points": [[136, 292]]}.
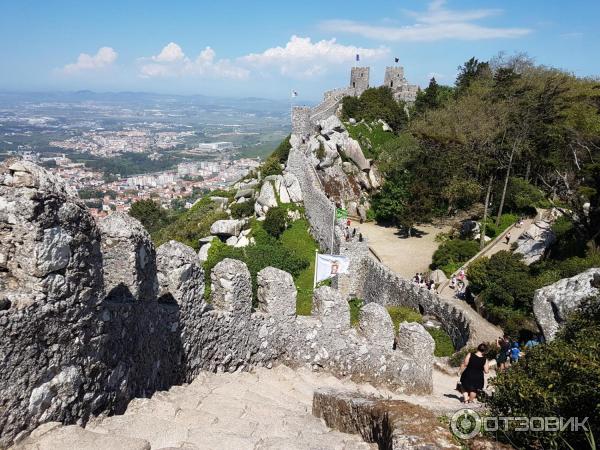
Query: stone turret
{"points": [[394, 77], [359, 79]]}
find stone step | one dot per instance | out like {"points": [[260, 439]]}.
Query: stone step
{"points": [[266, 409]]}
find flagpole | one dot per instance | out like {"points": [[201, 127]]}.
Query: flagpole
{"points": [[316, 263], [333, 229]]}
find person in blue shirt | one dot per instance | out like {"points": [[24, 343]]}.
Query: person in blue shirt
{"points": [[515, 352]]}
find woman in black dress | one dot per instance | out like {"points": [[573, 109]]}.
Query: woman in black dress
{"points": [[473, 368]]}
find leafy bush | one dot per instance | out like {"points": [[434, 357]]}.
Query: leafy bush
{"points": [[282, 151], [275, 221], [245, 209], [191, 225], [355, 306], [506, 288], [374, 104], [523, 196], [297, 239], [150, 213], [558, 379], [271, 166], [506, 220], [443, 342], [452, 254], [401, 314]]}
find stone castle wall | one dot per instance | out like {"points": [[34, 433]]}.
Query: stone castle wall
{"points": [[387, 288], [93, 315], [301, 123], [318, 208]]}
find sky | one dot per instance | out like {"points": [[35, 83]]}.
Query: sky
{"points": [[269, 48]]}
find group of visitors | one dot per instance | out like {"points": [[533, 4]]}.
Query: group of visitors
{"points": [[423, 281], [350, 234], [475, 365], [458, 283], [510, 351]]}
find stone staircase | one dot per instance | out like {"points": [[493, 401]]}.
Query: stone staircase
{"points": [[265, 409]]}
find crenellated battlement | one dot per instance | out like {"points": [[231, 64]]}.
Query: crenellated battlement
{"points": [[112, 318]]}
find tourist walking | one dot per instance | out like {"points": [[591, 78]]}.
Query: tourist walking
{"points": [[507, 237], [515, 353], [472, 369], [503, 350]]}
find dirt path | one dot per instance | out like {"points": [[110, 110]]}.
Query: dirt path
{"points": [[403, 255]]}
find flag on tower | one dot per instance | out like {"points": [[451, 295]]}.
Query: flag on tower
{"points": [[396, 59], [357, 57], [294, 93]]}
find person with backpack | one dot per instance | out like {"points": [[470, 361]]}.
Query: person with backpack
{"points": [[515, 353]]}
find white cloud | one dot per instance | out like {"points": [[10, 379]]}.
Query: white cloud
{"points": [[299, 58], [172, 62], [434, 24], [104, 57], [171, 52], [303, 58]]}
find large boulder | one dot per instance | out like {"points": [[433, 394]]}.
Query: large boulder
{"points": [[534, 242], [226, 228], [351, 149], [284, 196], [267, 196], [552, 304], [331, 125], [203, 252], [293, 187], [129, 258]]}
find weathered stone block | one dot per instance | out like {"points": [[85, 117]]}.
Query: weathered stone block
{"points": [[276, 293], [376, 325], [129, 258], [179, 274], [330, 308], [232, 287]]}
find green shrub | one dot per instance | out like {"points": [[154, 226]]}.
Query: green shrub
{"points": [[401, 314], [240, 210], [275, 221], [282, 151], [523, 196], [453, 253], [506, 220], [374, 104], [443, 342], [297, 238], [151, 215], [355, 306], [558, 379], [271, 166]]}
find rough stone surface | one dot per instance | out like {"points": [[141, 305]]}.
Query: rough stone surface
{"points": [[203, 252], [534, 242], [276, 293], [128, 258], [180, 277], [267, 195], [293, 187], [226, 228], [376, 325], [231, 287], [351, 149], [552, 304], [391, 424]]}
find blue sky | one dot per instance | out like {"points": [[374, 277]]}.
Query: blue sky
{"points": [[267, 48]]}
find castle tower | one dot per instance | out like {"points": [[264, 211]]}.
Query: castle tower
{"points": [[359, 79], [394, 77]]}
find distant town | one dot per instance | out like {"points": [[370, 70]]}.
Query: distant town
{"points": [[114, 150]]}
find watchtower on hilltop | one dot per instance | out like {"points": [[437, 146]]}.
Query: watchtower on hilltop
{"points": [[359, 79], [394, 77]]}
